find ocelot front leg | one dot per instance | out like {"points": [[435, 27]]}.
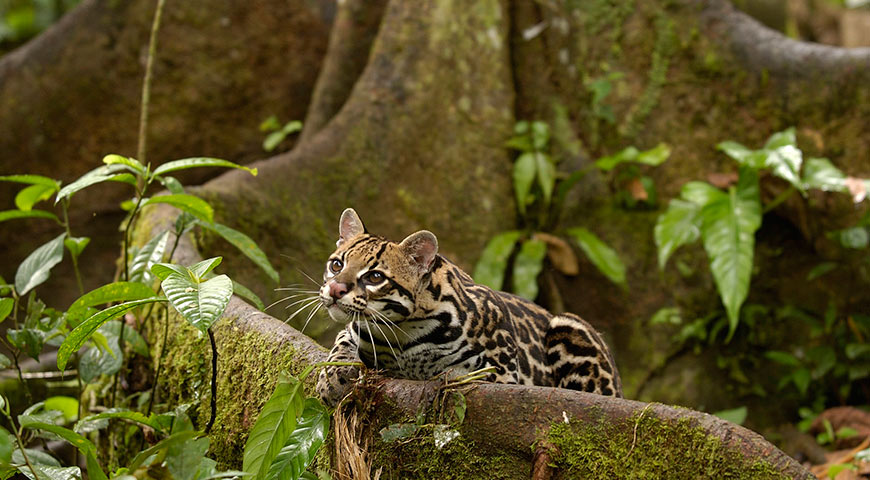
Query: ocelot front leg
{"points": [[335, 382]]}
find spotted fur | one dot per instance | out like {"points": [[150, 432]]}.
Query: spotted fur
{"points": [[413, 314]]}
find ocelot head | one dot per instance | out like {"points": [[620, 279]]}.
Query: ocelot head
{"points": [[373, 277]]}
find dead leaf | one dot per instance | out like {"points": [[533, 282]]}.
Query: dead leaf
{"points": [[722, 180], [560, 253], [635, 188], [856, 188]]}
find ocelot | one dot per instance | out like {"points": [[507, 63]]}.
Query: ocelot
{"points": [[413, 314]]}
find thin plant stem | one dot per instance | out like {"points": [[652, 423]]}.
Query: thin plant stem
{"points": [[75, 259], [146, 84], [779, 199], [159, 363], [23, 452], [214, 365], [15, 354]]}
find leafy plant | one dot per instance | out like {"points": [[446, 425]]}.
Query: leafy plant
{"points": [[277, 132], [726, 220], [540, 192]]}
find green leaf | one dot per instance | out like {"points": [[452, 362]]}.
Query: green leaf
{"points": [[68, 405], [197, 162], [112, 328], [701, 193], [835, 470], [81, 333], [801, 378], [524, 175], [855, 238], [679, 225], [247, 294], [527, 266], [97, 175], [195, 206], [272, 140], [744, 156], [303, 443], [34, 270], [183, 460], [113, 292], [521, 142], [245, 245], [174, 439], [96, 362], [783, 358], [149, 255], [135, 165], [602, 256], [610, 162], [31, 180], [46, 472], [492, 264], [820, 173], [855, 350], [820, 270], [164, 270], [728, 229], [7, 444], [654, 156], [30, 196], [5, 362], [398, 431], [172, 184], [269, 124], [6, 306], [201, 304], [540, 134], [201, 268], [119, 413], [30, 340], [734, 415], [274, 426], [84, 445], [76, 245], [785, 162], [781, 139], [16, 214], [546, 175]]}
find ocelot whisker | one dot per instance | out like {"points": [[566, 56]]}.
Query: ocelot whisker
{"points": [[305, 299], [302, 308], [389, 344], [284, 299], [389, 324], [310, 316], [308, 276]]}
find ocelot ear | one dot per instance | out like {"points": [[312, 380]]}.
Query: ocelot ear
{"points": [[422, 248], [349, 226]]}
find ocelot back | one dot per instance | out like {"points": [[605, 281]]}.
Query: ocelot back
{"points": [[413, 314]]}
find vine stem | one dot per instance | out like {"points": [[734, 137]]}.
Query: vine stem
{"points": [[159, 363], [214, 365], [146, 84], [75, 258]]}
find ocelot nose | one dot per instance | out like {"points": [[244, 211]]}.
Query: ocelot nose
{"points": [[337, 290]]}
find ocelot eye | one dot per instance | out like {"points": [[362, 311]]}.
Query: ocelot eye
{"points": [[374, 277], [335, 265]]}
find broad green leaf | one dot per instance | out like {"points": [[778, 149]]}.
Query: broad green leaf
{"points": [[7, 444], [546, 175], [5, 362], [835, 470], [524, 175], [195, 206], [781, 139], [679, 225], [246, 245], [172, 184], [300, 448], [610, 162], [30, 340], [46, 472], [822, 174], [247, 294], [743, 155], [276, 423], [855, 238], [601, 255], [269, 124], [728, 230], [801, 378], [734, 415], [113, 292], [81, 443], [6, 306], [34, 270], [174, 439], [785, 162], [16, 214], [30, 196], [31, 180], [96, 362], [527, 266], [521, 127], [701, 193], [783, 358], [38, 457], [68, 405], [187, 163], [398, 431], [81, 333], [135, 165], [201, 304], [654, 156], [127, 178], [164, 270], [492, 264], [855, 350], [820, 270], [201, 268], [122, 414], [522, 143], [97, 175], [272, 140], [150, 254], [183, 459], [76, 245], [540, 133]]}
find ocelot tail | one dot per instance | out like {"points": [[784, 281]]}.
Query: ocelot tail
{"points": [[413, 314]]}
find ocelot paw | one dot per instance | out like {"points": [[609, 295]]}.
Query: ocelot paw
{"points": [[335, 382]]}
